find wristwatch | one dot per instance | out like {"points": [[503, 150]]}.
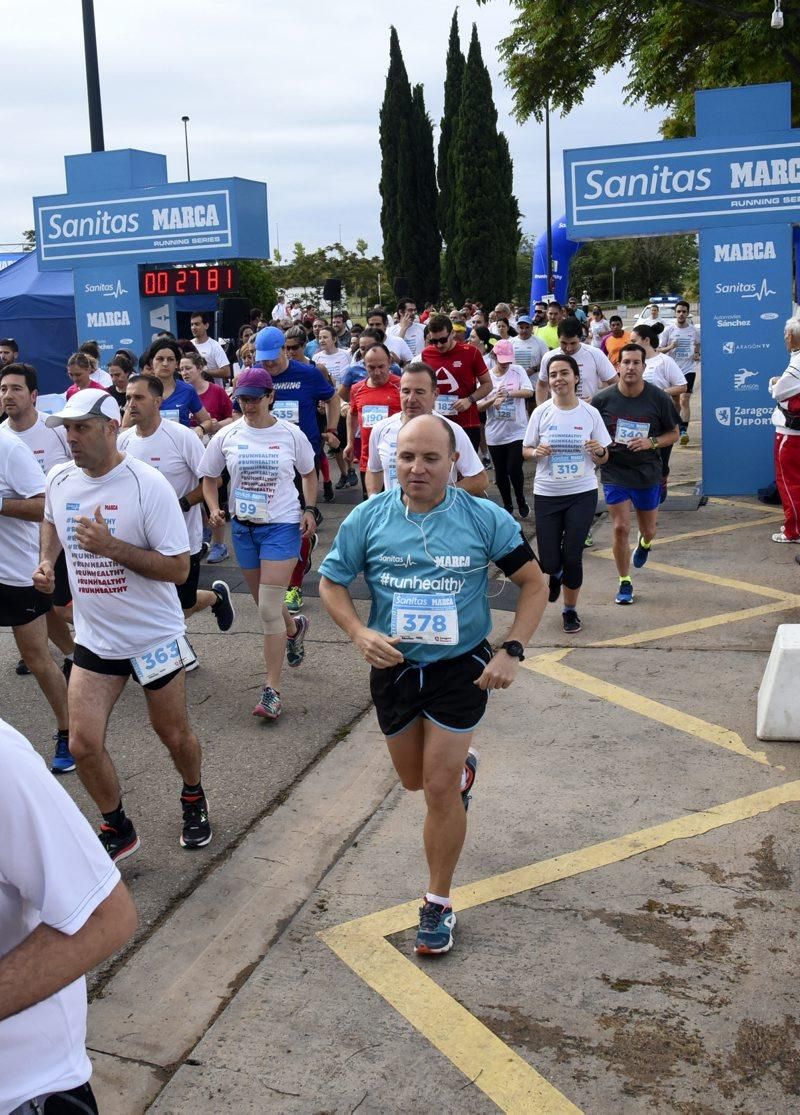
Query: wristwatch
{"points": [[654, 443], [514, 649], [314, 511]]}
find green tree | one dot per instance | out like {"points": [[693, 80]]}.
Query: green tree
{"points": [[485, 233], [644, 266], [29, 240], [256, 282], [396, 156], [454, 75], [423, 267], [669, 48]]}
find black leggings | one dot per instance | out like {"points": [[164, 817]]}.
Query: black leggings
{"points": [[562, 523], [507, 461]]}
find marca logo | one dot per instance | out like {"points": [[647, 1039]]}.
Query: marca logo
{"points": [[111, 507], [744, 251], [723, 415], [108, 317], [453, 561], [185, 216]]}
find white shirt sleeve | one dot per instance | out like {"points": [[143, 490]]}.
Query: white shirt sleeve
{"points": [[674, 374], [605, 369], [399, 347], [468, 463], [24, 476], [304, 453], [374, 463], [531, 437], [164, 524], [213, 460]]}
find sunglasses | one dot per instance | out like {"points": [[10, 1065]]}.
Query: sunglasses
{"points": [[439, 340], [292, 348]]}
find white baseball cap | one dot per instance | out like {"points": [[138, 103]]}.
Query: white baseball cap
{"points": [[91, 402]]}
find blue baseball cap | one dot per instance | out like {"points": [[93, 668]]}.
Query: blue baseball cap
{"points": [[269, 341], [523, 319]]}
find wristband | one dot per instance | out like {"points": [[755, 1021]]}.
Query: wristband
{"points": [[184, 504], [654, 443], [313, 511], [471, 399], [334, 432]]}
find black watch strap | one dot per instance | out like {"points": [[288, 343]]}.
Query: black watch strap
{"points": [[514, 649]]}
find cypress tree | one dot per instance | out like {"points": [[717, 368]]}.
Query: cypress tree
{"points": [[423, 267], [454, 75], [485, 231], [396, 157]]}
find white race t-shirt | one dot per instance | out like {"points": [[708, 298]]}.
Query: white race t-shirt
{"points": [[570, 469], [598, 330], [49, 446], [529, 354], [383, 451], [261, 461], [662, 371], [596, 369], [53, 871], [214, 355], [20, 478], [176, 452], [335, 363], [398, 347], [139, 507], [685, 342], [507, 422], [414, 337]]}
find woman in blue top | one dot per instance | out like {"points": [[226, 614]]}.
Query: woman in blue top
{"points": [[180, 399]]}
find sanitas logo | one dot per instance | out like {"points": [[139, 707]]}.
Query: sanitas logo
{"points": [[108, 290], [744, 251], [396, 559]]}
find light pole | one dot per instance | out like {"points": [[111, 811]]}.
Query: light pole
{"points": [[92, 77], [549, 206], [613, 282], [185, 120]]}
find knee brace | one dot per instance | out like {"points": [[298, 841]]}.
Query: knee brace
{"points": [[270, 608]]}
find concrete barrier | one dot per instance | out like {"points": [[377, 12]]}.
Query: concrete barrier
{"points": [[778, 714]]}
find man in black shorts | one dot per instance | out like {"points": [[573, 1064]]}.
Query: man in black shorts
{"points": [[175, 451], [122, 529], [424, 549], [22, 608]]}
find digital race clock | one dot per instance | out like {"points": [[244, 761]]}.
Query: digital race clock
{"points": [[159, 282]]}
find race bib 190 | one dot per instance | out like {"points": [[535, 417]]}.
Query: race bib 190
{"points": [[425, 618], [162, 659], [372, 415], [251, 506]]}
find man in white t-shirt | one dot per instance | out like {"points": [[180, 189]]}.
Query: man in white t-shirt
{"points": [[63, 910], [377, 318], [19, 389], [407, 327], [213, 353], [528, 350], [682, 340], [659, 369], [125, 538], [418, 394], [278, 312], [596, 369], [175, 451]]}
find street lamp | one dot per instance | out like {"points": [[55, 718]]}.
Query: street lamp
{"points": [[613, 282], [549, 205], [185, 120]]}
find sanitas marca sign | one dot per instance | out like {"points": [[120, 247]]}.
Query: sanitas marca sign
{"points": [[675, 185]]}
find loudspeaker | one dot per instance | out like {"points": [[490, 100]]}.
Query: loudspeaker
{"points": [[332, 290], [401, 288], [233, 314]]}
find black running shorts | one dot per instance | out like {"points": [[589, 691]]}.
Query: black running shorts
{"points": [[690, 378], [62, 594], [441, 691], [22, 604], [116, 667], [187, 592]]}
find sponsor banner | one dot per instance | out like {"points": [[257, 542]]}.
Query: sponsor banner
{"points": [[108, 309], [745, 296]]}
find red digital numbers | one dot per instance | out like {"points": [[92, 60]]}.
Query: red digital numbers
{"points": [[160, 282]]}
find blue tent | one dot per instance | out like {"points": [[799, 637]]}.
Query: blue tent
{"points": [[37, 309]]}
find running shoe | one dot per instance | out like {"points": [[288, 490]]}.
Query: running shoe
{"points": [[62, 762], [196, 825], [641, 553], [797, 558], [269, 705], [21, 669], [436, 925], [295, 648], [625, 592], [471, 769], [312, 548], [119, 845], [223, 609], [294, 598], [589, 542], [204, 550], [572, 621], [684, 438], [217, 553], [779, 537], [66, 669], [524, 511], [352, 479], [341, 482], [327, 491]]}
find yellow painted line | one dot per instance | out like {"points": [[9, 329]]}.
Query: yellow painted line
{"points": [[551, 666], [663, 540], [725, 501], [707, 578], [693, 625], [511, 1083], [502, 1075]]}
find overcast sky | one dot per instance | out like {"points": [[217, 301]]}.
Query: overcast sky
{"points": [[283, 93]]}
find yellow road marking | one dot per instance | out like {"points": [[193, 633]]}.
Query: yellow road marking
{"points": [[692, 625], [511, 1083], [708, 578], [663, 540], [551, 666]]}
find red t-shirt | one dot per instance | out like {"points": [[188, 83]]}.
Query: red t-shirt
{"points": [[217, 402], [457, 373], [75, 389], [369, 406]]}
